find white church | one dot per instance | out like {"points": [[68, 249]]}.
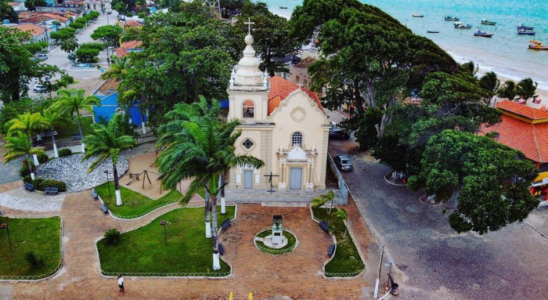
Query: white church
{"points": [[283, 124]]}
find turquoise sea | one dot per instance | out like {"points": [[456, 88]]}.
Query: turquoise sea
{"points": [[505, 53]]}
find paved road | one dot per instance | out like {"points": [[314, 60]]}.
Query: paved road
{"points": [[434, 261]]}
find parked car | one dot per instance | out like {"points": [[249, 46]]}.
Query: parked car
{"points": [[39, 88], [343, 162], [338, 134], [109, 12], [42, 56]]}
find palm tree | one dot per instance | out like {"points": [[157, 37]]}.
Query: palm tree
{"points": [[508, 90], [29, 124], [53, 119], [106, 142], [323, 199], [490, 83], [118, 69], [19, 144], [72, 102], [470, 67], [526, 88], [69, 45], [341, 215], [202, 153]]}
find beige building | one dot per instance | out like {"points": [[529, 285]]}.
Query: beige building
{"points": [[282, 123]]}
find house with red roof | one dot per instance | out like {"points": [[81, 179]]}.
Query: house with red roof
{"points": [[282, 123], [127, 47], [525, 128]]}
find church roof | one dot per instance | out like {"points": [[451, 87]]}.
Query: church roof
{"points": [[281, 88]]}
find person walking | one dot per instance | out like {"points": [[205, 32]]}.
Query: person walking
{"points": [[121, 283]]}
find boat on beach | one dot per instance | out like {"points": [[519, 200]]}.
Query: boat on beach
{"points": [[460, 25], [483, 34], [525, 32], [432, 31], [487, 22], [536, 45], [525, 27], [450, 18], [418, 16], [283, 7]]}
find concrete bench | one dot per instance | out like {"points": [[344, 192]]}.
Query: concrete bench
{"points": [[104, 208], [331, 250], [221, 249], [29, 187], [324, 226], [94, 194], [51, 190], [226, 224]]}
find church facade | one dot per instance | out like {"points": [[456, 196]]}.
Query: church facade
{"points": [[282, 123]]}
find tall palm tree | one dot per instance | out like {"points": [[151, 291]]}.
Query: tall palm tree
{"points": [[323, 199], [19, 144], [106, 142], [508, 90], [29, 124], [202, 153], [69, 45], [489, 83], [72, 102], [118, 69], [527, 88], [54, 118]]}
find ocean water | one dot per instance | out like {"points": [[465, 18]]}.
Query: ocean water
{"points": [[505, 53]]}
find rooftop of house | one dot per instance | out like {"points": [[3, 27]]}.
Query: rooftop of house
{"points": [[281, 88], [123, 49], [526, 112], [133, 23], [14, 3], [305, 62], [107, 88], [35, 30]]}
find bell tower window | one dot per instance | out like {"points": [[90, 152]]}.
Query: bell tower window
{"points": [[248, 109]]}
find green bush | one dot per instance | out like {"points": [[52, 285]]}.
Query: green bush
{"points": [[24, 171], [64, 152], [40, 184], [112, 236], [129, 15], [141, 14], [27, 179], [42, 158], [34, 261]]}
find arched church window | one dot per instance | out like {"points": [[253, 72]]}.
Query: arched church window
{"points": [[297, 139], [249, 109]]}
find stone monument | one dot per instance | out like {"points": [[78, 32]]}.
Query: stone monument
{"points": [[277, 230]]}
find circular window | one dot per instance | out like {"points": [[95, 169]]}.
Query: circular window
{"points": [[247, 143]]}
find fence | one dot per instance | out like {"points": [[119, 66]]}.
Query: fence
{"points": [[343, 188]]}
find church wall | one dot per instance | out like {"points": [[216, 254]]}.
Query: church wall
{"points": [[261, 137]]}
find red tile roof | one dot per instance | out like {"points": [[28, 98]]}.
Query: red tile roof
{"points": [[130, 23], [522, 110], [131, 44], [281, 88], [14, 3], [33, 29], [531, 139]]}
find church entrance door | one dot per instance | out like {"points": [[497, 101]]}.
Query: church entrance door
{"points": [[248, 179], [295, 179]]}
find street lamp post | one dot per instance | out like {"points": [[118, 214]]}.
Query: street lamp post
{"points": [[105, 41], [108, 184], [5, 226], [163, 223]]}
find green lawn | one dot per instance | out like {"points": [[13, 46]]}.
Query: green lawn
{"points": [[42, 236], [66, 131], [134, 204], [347, 259], [144, 249]]}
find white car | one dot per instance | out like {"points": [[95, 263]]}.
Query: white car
{"points": [[39, 88]]}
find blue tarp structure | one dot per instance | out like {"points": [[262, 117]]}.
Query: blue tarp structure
{"points": [[108, 107]]}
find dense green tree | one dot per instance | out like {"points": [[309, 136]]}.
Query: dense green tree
{"points": [[32, 4], [508, 90], [527, 88], [123, 5], [184, 56], [106, 143], [19, 144], [17, 64], [7, 12], [491, 181], [89, 52], [490, 84], [202, 153], [76, 25], [118, 69], [111, 33]]}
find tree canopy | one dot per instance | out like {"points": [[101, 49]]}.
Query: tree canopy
{"points": [[109, 32], [7, 12]]}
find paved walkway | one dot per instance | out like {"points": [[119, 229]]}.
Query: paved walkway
{"points": [[297, 274]]}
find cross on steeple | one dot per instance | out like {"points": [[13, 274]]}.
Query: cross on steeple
{"points": [[249, 23], [300, 85]]}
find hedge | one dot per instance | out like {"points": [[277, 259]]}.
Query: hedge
{"points": [[64, 152], [42, 158], [40, 183]]}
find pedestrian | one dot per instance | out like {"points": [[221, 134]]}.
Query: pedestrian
{"points": [[121, 283]]}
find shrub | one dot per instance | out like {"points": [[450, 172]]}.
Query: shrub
{"points": [[112, 236], [65, 152], [24, 171], [34, 261], [40, 184], [42, 158], [27, 179], [141, 14], [129, 15]]}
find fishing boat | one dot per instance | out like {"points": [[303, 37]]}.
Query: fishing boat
{"points": [[536, 45], [450, 18], [432, 31], [418, 16], [525, 27], [487, 22], [283, 7], [459, 25], [483, 34], [525, 32]]}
